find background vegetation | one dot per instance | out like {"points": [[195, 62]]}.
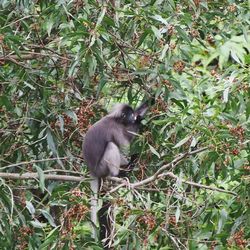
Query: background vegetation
{"points": [[63, 63]]}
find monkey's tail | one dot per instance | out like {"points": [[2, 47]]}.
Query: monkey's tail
{"points": [[105, 224], [94, 184]]}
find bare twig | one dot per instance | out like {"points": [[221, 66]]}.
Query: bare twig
{"points": [[27, 55], [34, 161], [21, 57], [62, 171], [28, 176]]}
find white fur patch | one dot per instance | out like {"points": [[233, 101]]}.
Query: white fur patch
{"points": [[117, 110]]}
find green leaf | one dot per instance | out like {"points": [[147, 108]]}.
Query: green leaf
{"points": [[101, 16], [101, 85], [50, 239], [30, 207], [223, 55], [182, 34], [92, 63], [183, 141], [73, 68], [156, 32], [49, 25], [177, 214], [225, 95], [37, 224], [4, 101], [61, 122], [48, 216], [143, 37], [222, 220], [164, 51], [248, 109], [51, 142], [41, 178], [153, 150], [160, 19]]}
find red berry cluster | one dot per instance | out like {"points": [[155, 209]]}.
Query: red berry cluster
{"points": [[84, 114], [179, 66], [23, 237], [238, 132], [147, 220], [238, 240], [76, 213]]}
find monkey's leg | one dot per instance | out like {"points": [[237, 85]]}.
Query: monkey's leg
{"points": [[112, 159]]}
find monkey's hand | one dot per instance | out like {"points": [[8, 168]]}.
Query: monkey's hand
{"points": [[128, 168], [132, 162]]}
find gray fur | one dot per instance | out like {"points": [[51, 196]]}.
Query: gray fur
{"points": [[111, 159], [94, 184], [104, 145], [97, 144]]}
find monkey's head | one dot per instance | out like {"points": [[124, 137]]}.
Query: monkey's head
{"points": [[123, 113]]}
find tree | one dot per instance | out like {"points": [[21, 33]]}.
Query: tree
{"points": [[64, 63]]}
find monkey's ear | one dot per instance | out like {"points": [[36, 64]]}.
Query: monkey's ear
{"points": [[142, 109]]}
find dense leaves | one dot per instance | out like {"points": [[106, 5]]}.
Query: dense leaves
{"points": [[64, 63]]}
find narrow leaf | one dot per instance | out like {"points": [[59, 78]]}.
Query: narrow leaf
{"points": [[41, 178], [177, 214], [51, 142], [30, 207], [183, 141], [152, 149], [48, 216]]}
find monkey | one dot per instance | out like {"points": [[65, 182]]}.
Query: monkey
{"points": [[103, 149]]}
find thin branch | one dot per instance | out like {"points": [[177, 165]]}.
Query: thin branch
{"points": [[172, 175], [15, 61], [21, 57], [34, 161], [62, 171], [18, 20], [173, 163], [116, 188], [29, 56], [28, 176], [159, 174]]}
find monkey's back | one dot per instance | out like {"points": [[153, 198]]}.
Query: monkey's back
{"points": [[95, 143]]}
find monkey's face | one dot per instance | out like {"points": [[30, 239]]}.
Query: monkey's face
{"points": [[128, 116]]}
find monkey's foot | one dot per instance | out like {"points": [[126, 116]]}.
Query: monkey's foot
{"points": [[126, 182]]}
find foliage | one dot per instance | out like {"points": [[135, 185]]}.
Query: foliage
{"points": [[63, 63]]}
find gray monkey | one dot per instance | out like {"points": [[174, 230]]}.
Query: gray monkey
{"points": [[104, 143]]}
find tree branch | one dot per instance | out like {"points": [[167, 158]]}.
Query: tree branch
{"points": [[29, 56], [34, 161], [28, 176], [172, 164], [172, 175], [159, 174]]}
